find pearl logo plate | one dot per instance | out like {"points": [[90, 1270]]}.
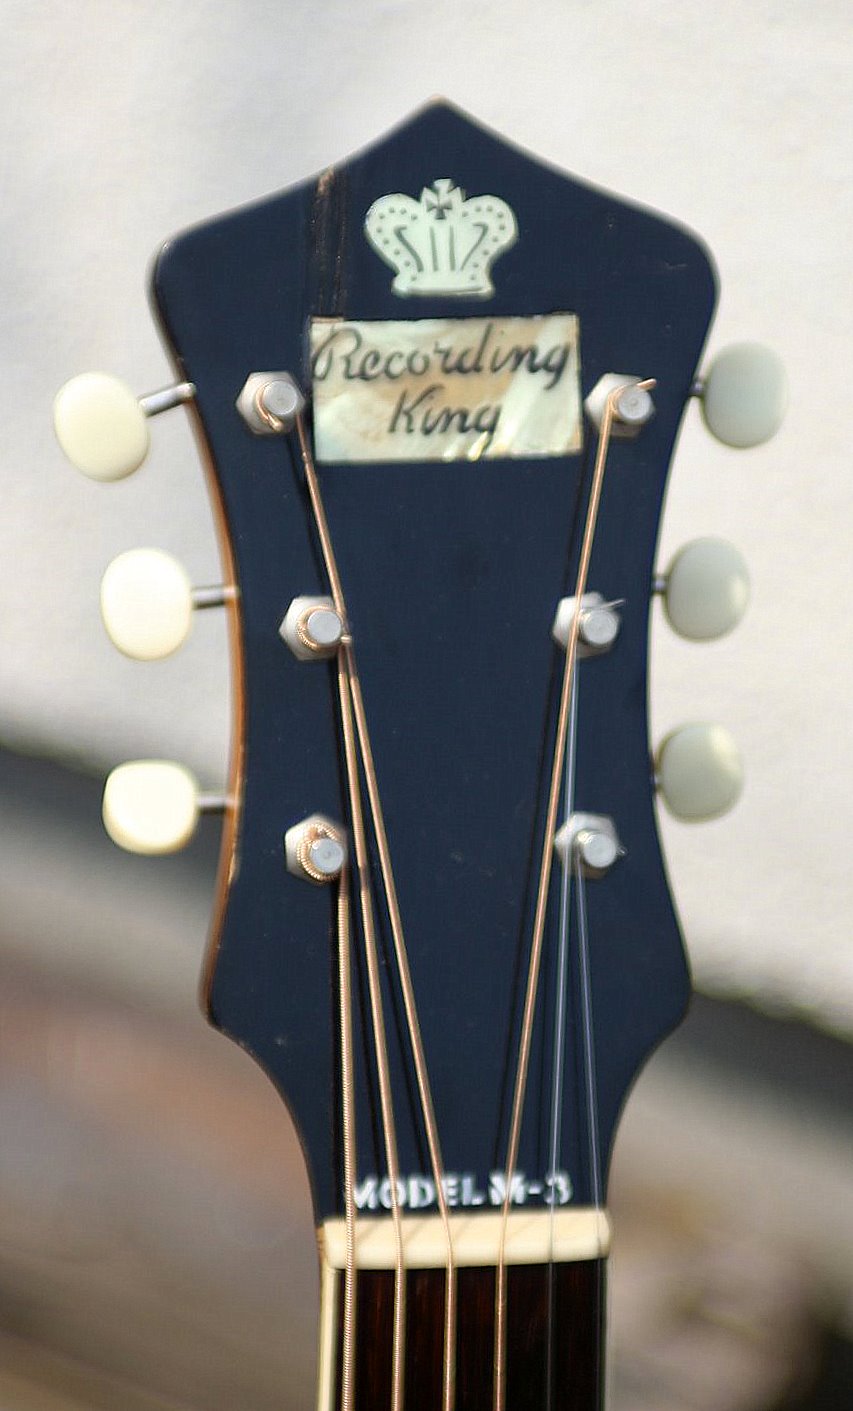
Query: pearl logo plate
{"points": [[446, 389]]}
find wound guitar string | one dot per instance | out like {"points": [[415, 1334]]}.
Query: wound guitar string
{"points": [[352, 705], [354, 727], [389, 1131], [348, 1129], [558, 1054], [588, 1036]]}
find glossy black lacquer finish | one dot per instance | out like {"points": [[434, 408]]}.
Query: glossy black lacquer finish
{"points": [[452, 573], [555, 1344]]}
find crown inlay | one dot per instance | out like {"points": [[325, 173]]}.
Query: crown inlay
{"points": [[441, 244]]}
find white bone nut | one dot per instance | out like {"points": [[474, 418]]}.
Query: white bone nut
{"points": [[151, 806], [706, 589], [146, 603], [744, 394], [101, 426], [699, 771]]}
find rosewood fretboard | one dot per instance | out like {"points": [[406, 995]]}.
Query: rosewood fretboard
{"points": [[555, 1351]]}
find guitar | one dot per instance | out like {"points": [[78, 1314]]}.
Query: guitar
{"points": [[437, 391]]}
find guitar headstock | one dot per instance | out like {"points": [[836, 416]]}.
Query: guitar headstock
{"points": [[437, 389]]}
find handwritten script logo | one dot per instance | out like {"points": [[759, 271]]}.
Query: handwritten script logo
{"points": [[446, 389]]}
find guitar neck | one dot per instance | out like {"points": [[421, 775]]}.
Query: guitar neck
{"points": [[555, 1314], [556, 1322]]}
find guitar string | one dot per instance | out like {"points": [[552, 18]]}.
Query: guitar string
{"points": [[415, 1039], [349, 1140], [589, 1067], [534, 966], [347, 655], [379, 1035], [558, 1065], [369, 935], [558, 1071], [588, 1032]]}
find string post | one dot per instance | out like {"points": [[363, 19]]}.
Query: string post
{"points": [[630, 401], [312, 628], [315, 849], [591, 840], [270, 402], [634, 406], [598, 623]]}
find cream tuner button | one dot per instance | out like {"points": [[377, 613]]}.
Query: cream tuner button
{"points": [[151, 806], [699, 771], [706, 589], [744, 394], [146, 603], [101, 426]]}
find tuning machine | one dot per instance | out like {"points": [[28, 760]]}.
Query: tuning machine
{"points": [[699, 772], [705, 590], [152, 806], [102, 426], [744, 394], [698, 768], [147, 603]]}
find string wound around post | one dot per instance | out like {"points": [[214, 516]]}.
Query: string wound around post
{"points": [[270, 402], [591, 839], [632, 404]]}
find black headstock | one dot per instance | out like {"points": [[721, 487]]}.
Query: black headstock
{"points": [[452, 570], [438, 389]]}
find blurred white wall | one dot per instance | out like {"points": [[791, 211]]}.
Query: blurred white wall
{"points": [[124, 121]]}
